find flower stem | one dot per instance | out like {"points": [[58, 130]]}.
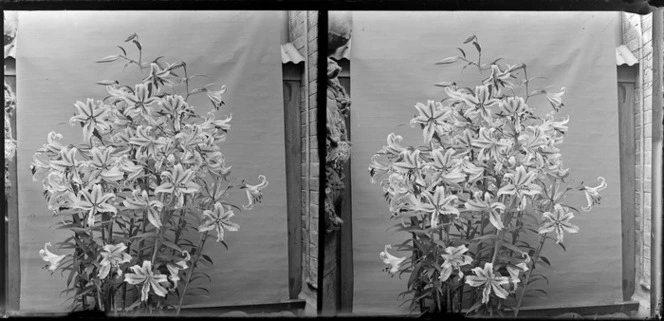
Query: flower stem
{"points": [[199, 250], [534, 259]]}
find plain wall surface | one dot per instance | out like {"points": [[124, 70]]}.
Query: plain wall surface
{"points": [[56, 67], [393, 68]]}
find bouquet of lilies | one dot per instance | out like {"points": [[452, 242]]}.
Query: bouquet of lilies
{"points": [[142, 194], [488, 179]]}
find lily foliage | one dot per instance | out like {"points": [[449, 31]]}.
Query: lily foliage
{"points": [[487, 180], [142, 194]]}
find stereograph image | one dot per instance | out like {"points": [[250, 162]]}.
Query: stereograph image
{"points": [[479, 164]]}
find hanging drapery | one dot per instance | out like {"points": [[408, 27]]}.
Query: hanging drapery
{"points": [[393, 68], [56, 62]]}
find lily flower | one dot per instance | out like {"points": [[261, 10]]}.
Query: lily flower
{"points": [[474, 172], [486, 204], [133, 171], [179, 183], [215, 96], [558, 221], [95, 202], [92, 115], [147, 143], [393, 261], [442, 159], [216, 162], [59, 200], [439, 204], [158, 77], [533, 138], [410, 161], [176, 106], [479, 101], [254, 193], [514, 108], [53, 146], [499, 77], [223, 124], [592, 194], [514, 272], [112, 257], [454, 260], [190, 137], [393, 146], [141, 201], [56, 182], [38, 167], [148, 278], [140, 100], [464, 141], [175, 268], [66, 160], [103, 164], [490, 280], [48, 256], [490, 147], [218, 220], [521, 185], [377, 169], [431, 117], [556, 99]]}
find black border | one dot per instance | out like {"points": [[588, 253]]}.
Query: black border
{"points": [[634, 6]]}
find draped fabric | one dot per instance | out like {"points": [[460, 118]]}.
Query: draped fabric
{"points": [[56, 67], [393, 68]]}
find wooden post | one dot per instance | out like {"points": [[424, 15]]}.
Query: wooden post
{"points": [[347, 277], [13, 259], [626, 80], [292, 83], [656, 205]]}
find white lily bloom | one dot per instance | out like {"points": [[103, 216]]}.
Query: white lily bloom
{"points": [[392, 260], [50, 257], [592, 194], [254, 192]]}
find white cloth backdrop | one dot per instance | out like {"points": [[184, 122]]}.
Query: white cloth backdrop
{"points": [[56, 67], [393, 68]]}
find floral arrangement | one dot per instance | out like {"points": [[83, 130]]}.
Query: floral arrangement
{"points": [[488, 179], [142, 194]]}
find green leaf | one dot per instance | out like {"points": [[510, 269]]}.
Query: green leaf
{"points": [[207, 257], [477, 46], [197, 90], [545, 260], [512, 247], [123, 50], [463, 53], [138, 44], [171, 245], [144, 235], [445, 84], [448, 60], [107, 82], [224, 244], [563, 246], [110, 58]]}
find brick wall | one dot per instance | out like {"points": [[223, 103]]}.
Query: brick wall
{"points": [[299, 24], [640, 43]]}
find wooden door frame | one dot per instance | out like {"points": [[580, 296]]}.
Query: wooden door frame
{"points": [[626, 85], [346, 275], [292, 82]]}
